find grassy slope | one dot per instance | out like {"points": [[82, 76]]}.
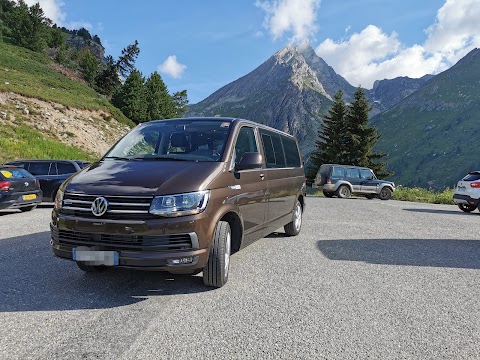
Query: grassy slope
{"points": [[429, 135], [29, 73]]}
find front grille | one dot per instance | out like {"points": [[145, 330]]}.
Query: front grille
{"points": [[171, 242], [119, 207]]}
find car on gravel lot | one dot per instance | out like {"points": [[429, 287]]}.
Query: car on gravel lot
{"points": [[181, 195], [50, 173], [346, 180], [467, 192], [18, 189]]}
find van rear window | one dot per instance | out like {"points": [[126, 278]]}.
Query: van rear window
{"points": [[472, 177]]}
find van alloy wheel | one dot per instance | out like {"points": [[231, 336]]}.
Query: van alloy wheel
{"points": [[466, 207]]}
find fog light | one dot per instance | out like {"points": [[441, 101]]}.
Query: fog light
{"points": [[181, 261]]}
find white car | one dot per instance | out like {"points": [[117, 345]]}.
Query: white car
{"points": [[467, 192]]}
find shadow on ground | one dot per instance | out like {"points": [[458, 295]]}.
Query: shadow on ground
{"points": [[32, 279], [439, 211], [408, 252]]}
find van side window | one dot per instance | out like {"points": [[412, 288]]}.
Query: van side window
{"points": [[246, 142], [366, 174], [291, 152], [39, 168], [273, 148], [65, 168]]}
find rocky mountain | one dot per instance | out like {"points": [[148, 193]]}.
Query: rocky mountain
{"points": [[80, 42], [388, 92], [431, 134], [291, 91]]}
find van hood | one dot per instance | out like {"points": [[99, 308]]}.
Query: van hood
{"points": [[143, 178]]}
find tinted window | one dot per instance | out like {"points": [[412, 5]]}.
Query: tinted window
{"points": [[291, 152], [338, 172], [245, 142], [272, 145], [366, 174], [65, 168], [353, 173], [39, 168], [14, 174], [472, 177]]}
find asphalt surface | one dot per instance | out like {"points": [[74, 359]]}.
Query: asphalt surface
{"points": [[364, 279]]}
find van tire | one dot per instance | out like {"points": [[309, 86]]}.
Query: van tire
{"points": [[215, 272], [343, 192], [466, 207], [91, 268], [293, 228]]}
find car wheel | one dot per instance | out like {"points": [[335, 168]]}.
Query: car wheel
{"points": [[293, 228], [385, 194], [328, 194], [28, 208], [343, 192], [215, 272], [91, 268], [466, 208]]}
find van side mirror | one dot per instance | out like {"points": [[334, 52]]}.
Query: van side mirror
{"points": [[249, 160]]}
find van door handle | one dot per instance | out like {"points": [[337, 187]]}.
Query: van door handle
{"points": [[262, 176]]}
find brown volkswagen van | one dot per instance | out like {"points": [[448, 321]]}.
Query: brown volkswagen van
{"points": [[181, 195]]}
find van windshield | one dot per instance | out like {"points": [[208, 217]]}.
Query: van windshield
{"points": [[183, 140]]}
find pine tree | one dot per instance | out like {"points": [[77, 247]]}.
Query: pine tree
{"points": [[126, 62], [330, 145], [159, 102], [361, 138], [132, 98], [180, 102], [108, 81], [89, 66]]}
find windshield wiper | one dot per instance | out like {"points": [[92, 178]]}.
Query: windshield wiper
{"points": [[168, 158], [123, 158]]}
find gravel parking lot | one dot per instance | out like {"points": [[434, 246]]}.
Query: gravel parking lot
{"points": [[365, 279]]}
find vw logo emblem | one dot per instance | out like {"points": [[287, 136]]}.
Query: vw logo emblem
{"points": [[26, 184], [99, 206]]}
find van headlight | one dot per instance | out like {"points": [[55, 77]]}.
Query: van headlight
{"points": [[180, 204]]}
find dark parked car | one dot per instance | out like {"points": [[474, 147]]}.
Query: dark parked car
{"points": [[50, 173], [18, 189], [345, 180]]}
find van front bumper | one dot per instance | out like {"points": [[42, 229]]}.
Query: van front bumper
{"points": [[177, 245]]}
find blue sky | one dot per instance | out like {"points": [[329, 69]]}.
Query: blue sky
{"points": [[201, 46]]}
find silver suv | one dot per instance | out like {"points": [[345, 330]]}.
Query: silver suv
{"points": [[345, 180], [467, 192]]}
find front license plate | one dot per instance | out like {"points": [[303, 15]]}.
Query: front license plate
{"points": [[95, 257], [29, 197]]}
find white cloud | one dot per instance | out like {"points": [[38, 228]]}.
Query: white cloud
{"points": [[374, 55], [290, 16], [172, 67], [52, 10]]}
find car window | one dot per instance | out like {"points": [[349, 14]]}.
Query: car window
{"points": [[338, 172], [39, 168], [291, 152], [246, 142], [14, 174], [366, 174], [472, 177], [65, 168], [273, 148], [353, 173]]}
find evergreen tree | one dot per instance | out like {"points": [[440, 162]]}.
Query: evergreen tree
{"points": [[180, 102], [159, 102], [57, 38], [126, 62], [108, 81], [131, 98], [361, 138], [89, 66], [330, 145]]}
